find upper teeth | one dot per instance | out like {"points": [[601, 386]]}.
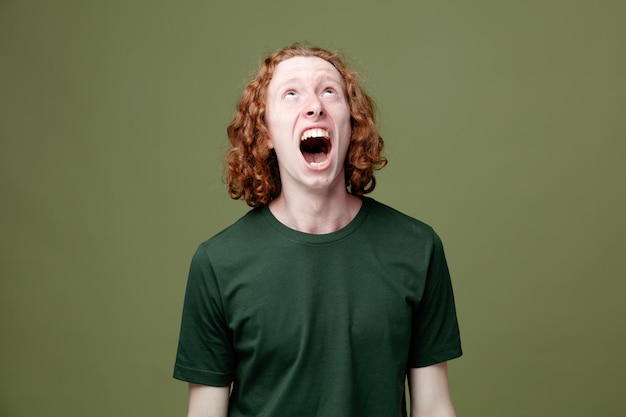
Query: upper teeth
{"points": [[314, 133]]}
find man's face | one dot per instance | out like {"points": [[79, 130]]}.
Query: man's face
{"points": [[308, 118]]}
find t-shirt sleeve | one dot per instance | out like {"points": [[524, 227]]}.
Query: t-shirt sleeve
{"points": [[205, 353], [435, 329]]}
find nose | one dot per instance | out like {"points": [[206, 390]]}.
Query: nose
{"points": [[314, 107]]}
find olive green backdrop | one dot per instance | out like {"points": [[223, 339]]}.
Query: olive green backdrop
{"points": [[505, 130]]}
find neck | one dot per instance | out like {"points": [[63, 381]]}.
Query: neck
{"points": [[316, 213]]}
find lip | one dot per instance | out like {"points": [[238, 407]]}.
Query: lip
{"points": [[316, 163], [330, 135]]}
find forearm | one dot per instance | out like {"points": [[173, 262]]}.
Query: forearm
{"points": [[442, 411]]}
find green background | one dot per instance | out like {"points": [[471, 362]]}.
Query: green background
{"points": [[505, 130]]}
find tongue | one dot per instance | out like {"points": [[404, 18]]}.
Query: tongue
{"points": [[314, 150], [314, 157]]}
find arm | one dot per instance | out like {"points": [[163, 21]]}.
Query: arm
{"points": [[207, 401], [430, 396]]}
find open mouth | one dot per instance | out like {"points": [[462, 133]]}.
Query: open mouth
{"points": [[315, 146]]}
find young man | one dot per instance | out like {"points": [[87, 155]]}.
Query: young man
{"points": [[319, 301]]}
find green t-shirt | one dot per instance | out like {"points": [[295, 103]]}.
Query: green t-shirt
{"points": [[310, 325]]}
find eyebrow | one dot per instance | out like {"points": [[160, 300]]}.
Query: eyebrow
{"points": [[324, 78]]}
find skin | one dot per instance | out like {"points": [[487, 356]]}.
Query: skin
{"points": [[308, 92], [430, 394], [207, 401]]}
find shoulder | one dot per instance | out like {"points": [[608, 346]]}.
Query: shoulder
{"points": [[392, 221], [247, 230]]}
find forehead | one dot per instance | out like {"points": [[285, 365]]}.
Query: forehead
{"points": [[304, 68]]}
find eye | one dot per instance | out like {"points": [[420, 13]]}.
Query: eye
{"points": [[289, 94], [329, 92]]}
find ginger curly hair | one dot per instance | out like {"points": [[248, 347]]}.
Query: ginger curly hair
{"points": [[252, 167]]}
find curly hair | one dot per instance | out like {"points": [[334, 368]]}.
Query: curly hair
{"points": [[251, 165]]}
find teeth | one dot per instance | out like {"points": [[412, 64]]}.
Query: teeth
{"points": [[318, 164], [314, 133]]}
